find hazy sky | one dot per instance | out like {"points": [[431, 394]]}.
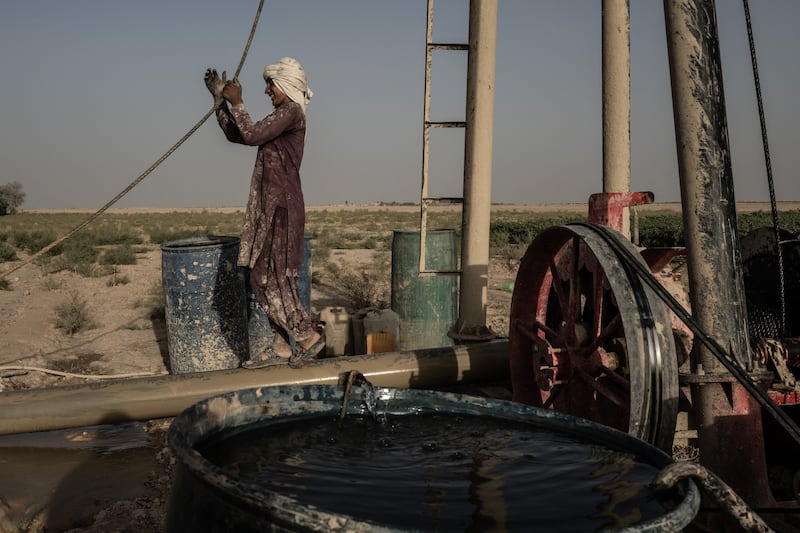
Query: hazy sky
{"points": [[94, 91]]}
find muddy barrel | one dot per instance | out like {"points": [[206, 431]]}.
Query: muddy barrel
{"points": [[282, 458], [426, 304], [205, 307], [304, 277]]}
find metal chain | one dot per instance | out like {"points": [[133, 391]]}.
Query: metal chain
{"points": [[147, 172], [770, 182]]}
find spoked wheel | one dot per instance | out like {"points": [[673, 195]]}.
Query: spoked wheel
{"points": [[588, 338]]}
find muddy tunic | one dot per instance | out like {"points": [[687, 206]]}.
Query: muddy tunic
{"points": [[272, 236]]}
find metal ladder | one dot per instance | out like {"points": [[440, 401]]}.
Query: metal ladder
{"points": [[428, 124]]}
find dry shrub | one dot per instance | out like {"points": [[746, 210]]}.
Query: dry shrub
{"points": [[72, 315], [366, 286]]}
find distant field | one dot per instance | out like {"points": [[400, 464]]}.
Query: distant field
{"points": [[123, 231]]}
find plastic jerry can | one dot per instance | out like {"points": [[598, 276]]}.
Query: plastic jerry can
{"points": [[338, 331]]}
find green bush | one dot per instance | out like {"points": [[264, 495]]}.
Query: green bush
{"points": [[666, 229], [72, 315], [366, 286], [320, 251], [162, 235], [120, 255], [7, 253], [33, 241], [788, 220], [661, 230], [92, 270], [523, 232], [108, 234], [79, 250]]}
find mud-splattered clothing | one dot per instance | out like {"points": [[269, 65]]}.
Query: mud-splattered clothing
{"points": [[272, 237]]}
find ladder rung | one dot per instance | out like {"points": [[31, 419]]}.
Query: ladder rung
{"points": [[451, 272], [443, 200], [448, 46], [445, 124]]}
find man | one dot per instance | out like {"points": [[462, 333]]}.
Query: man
{"points": [[271, 244]]}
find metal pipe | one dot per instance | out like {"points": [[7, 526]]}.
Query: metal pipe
{"points": [[617, 101], [473, 297], [729, 420], [165, 396]]}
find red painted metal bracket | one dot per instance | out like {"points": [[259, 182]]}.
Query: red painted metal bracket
{"points": [[607, 208]]}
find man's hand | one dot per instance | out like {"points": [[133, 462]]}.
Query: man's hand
{"points": [[215, 84], [232, 92]]}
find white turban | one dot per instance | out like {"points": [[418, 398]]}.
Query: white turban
{"points": [[288, 75]]}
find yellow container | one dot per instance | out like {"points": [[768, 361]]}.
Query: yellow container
{"points": [[378, 331]]}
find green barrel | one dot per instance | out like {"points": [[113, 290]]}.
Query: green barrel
{"points": [[206, 306], [426, 304]]}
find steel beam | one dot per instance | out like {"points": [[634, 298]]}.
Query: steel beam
{"points": [[474, 290], [617, 102], [728, 418]]}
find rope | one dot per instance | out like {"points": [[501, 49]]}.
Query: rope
{"points": [[71, 375], [770, 182], [249, 40], [147, 172]]}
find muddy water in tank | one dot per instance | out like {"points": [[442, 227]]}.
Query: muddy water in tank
{"points": [[285, 458], [444, 472]]}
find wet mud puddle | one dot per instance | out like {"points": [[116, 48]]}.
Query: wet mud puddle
{"points": [[58, 480], [443, 472]]}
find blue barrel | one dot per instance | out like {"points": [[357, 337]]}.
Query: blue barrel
{"points": [[206, 307], [304, 278], [537, 481], [426, 304]]}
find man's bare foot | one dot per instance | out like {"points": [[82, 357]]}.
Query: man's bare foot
{"points": [[311, 341], [281, 347]]}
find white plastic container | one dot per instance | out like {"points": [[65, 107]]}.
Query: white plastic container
{"points": [[338, 331]]}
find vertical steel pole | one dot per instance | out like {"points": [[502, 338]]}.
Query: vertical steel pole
{"points": [[729, 420], [617, 100], [478, 135]]}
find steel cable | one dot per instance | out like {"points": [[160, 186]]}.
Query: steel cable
{"points": [[770, 182], [150, 169]]}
